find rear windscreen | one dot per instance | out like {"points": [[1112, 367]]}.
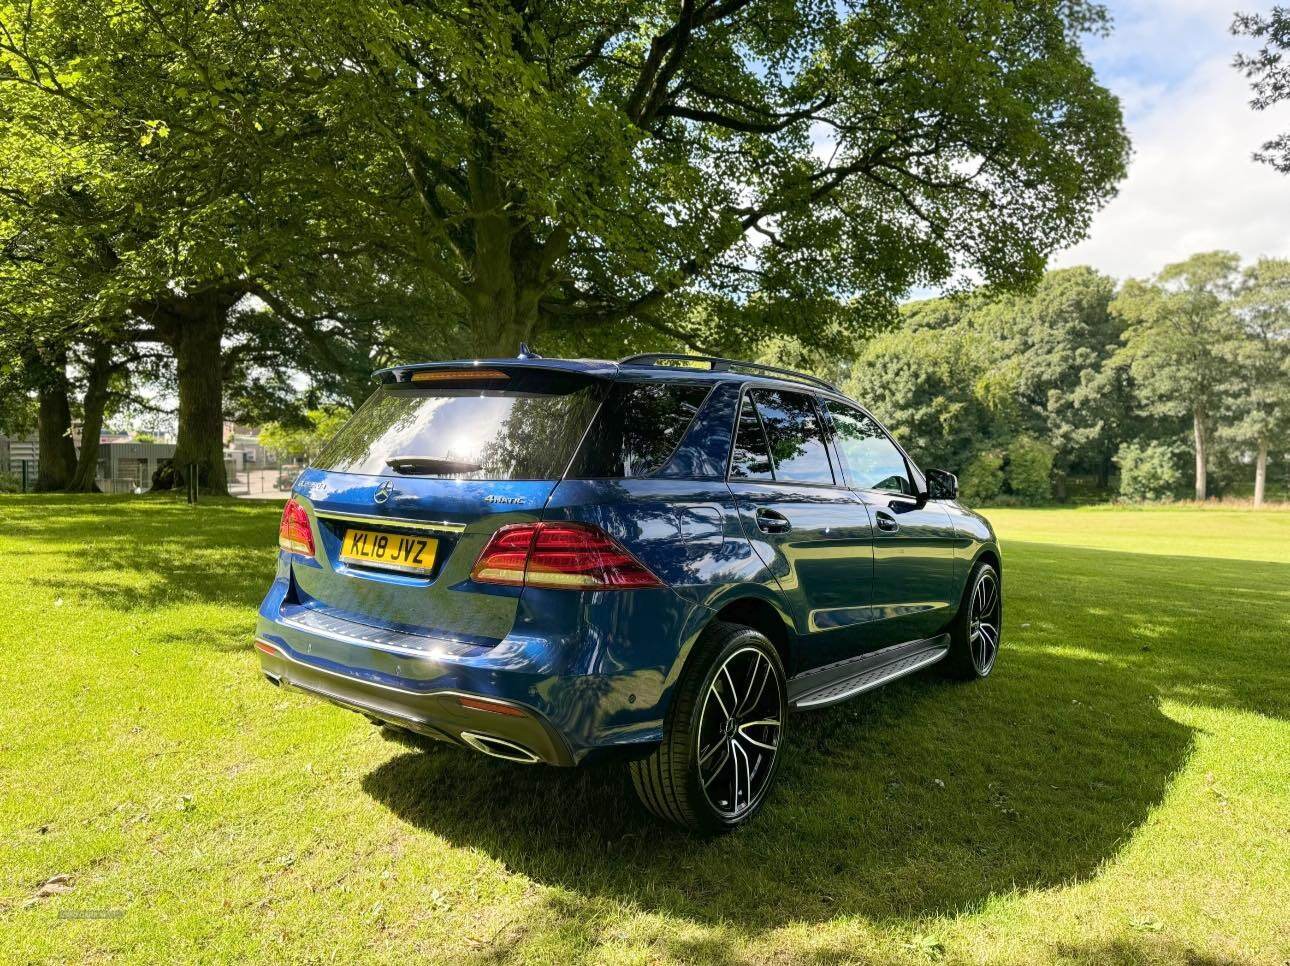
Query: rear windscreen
{"points": [[638, 429], [518, 426]]}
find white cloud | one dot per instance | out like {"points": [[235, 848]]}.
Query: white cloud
{"points": [[1192, 184]]}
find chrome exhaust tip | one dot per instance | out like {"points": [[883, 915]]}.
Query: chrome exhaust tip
{"points": [[499, 748]]}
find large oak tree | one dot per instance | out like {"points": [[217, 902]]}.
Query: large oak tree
{"points": [[554, 167], [139, 196]]}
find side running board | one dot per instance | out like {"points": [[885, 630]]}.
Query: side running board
{"points": [[832, 683]]}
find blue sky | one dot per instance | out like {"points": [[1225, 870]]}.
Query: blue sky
{"points": [[1192, 185]]}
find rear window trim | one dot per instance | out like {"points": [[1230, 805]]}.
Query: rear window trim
{"points": [[646, 381], [596, 383]]}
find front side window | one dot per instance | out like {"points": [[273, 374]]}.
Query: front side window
{"points": [[785, 444], [638, 429], [872, 460]]}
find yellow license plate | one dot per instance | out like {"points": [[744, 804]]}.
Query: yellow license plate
{"points": [[393, 550]]}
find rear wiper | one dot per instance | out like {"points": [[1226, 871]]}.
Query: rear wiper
{"points": [[430, 464]]}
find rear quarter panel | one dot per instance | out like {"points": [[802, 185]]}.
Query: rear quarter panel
{"points": [[635, 643]]}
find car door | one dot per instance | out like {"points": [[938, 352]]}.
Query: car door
{"points": [[811, 531], [913, 540]]}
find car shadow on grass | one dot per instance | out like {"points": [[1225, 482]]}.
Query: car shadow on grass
{"points": [[926, 797]]}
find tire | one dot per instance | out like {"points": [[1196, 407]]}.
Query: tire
{"points": [[975, 634], [694, 779]]}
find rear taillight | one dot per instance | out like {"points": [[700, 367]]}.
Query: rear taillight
{"points": [[562, 556], [294, 532]]}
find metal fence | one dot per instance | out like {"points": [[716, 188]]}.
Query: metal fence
{"points": [[124, 485], [266, 480]]}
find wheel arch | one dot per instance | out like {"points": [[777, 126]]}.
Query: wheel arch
{"points": [[991, 556], [761, 615], [987, 553]]}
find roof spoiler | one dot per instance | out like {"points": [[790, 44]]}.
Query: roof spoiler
{"points": [[595, 369], [673, 360]]}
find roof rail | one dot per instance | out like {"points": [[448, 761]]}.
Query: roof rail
{"points": [[718, 364]]}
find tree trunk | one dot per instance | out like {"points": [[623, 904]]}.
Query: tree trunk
{"points": [[57, 460], [1261, 472], [87, 464], [1104, 469], [195, 337], [496, 332], [510, 269], [1198, 422]]}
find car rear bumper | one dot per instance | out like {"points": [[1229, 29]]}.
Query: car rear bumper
{"points": [[498, 727], [562, 698]]}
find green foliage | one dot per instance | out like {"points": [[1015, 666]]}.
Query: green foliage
{"points": [[1256, 404], [1269, 72], [1050, 350], [1061, 377], [525, 169], [975, 371], [10, 482], [1175, 326], [307, 438], [981, 481], [17, 404], [1149, 471], [1030, 470], [920, 384]]}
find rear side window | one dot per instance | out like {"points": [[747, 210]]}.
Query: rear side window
{"points": [[872, 460], [750, 459], [638, 429], [518, 426], [795, 436]]}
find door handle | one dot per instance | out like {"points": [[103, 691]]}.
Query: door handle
{"points": [[886, 522], [772, 521]]}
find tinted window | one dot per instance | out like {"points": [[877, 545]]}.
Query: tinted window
{"points": [[519, 427], [796, 439], [872, 460], [751, 457], [638, 428]]}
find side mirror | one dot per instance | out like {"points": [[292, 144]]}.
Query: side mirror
{"points": [[942, 485]]}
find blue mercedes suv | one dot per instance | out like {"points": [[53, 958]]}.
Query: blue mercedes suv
{"points": [[653, 560]]}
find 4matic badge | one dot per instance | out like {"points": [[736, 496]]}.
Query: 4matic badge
{"points": [[503, 499]]}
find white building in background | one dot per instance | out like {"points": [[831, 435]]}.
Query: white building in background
{"points": [[242, 449], [125, 465], [15, 451]]}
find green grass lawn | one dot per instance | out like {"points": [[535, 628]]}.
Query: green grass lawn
{"points": [[1119, 789]]}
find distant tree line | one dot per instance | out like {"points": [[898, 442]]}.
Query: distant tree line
{"points": [[1171, 385]]}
